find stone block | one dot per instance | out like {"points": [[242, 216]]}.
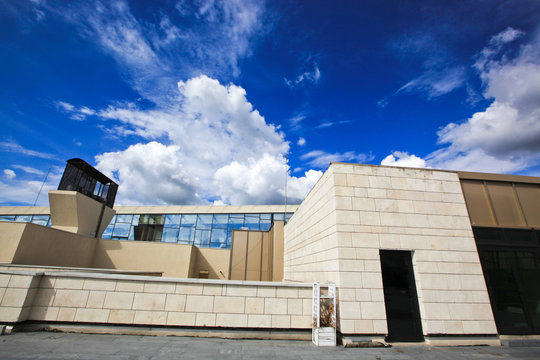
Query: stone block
{"points": [[363, 326], [380, 327], [44, 313], [241, 290], [287, 292], [150, 317], [181, 318], [98, 284], [4, 280], [372, 280], [131, 286], [231, 320], [175, 302], [20, 281], [122, 300], [11, 314], [347, 217], [71, 298], [362, 294], [44, 297], [159, 287], [349, 310], [343, 203], [211, 289], [189, 289], [148, 301], [92, 315], [294, 306], [275, 306], [199, 303], [205, 319], [300, 322], [69, 283], [373, 310], [96, 298], [229, 304], [259, 321], [121, 316], [453, 327], [281, 321], [66, 314], [255, 305]]}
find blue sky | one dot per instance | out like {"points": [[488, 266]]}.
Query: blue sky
{"points": [[201, 102]]}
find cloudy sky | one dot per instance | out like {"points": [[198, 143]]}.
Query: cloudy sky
{"points": [[209, 102]]}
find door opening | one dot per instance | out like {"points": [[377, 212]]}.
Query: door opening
{"points": [[400, 298]]}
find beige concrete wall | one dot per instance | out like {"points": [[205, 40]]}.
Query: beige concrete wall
{"points": [[172, 259], [74, 212], [10, 235], [257, 255], [276, 237], [215, 261], [40, 245], [356, 210], [138, 300]]}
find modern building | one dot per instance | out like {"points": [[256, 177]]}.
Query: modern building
{"points": [[415, 254]]}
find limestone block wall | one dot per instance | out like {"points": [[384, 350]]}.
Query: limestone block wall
{"points": [[419, 210], [141, 300], [17, 292], [310, 245]]}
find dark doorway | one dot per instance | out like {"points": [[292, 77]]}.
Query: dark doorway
{"points": [[400, 299]]}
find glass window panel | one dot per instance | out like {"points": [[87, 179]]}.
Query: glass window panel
{"points": [[152, 219], [7, 217], [113, 221], [108, 231], [221, 221], [236, 216], [252, 222], [121, 229], [219, 236], [187, 235], [189, 220], [202, 238], [23, 218], [266, 216], [40, 219], [288, 216], [124, 218], [488, 234], [505, 299], [172, 220], [529, 272], [229, 239], [131, 233], [265, 224], [204, 221], [519, 235], [136, 219], [235, 226], [157, 233], [279, 217], [170, 235]]}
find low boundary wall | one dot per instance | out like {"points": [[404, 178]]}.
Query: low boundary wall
{"points": [[80, 297]]}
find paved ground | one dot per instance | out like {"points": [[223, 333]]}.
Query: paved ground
{"points": [[46, 345]]}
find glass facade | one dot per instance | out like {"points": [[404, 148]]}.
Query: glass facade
{"points": [[201, 230], [510, 260], [44, 220]]}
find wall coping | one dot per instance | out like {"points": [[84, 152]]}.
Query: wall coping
{"points": [[101, 276]]}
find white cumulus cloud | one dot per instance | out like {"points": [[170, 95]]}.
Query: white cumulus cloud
{"points": [[505, 137], [9, 174], [219, 149], [403, 159]]}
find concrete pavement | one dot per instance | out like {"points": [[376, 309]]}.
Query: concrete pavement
{"points": [[48, 345]]}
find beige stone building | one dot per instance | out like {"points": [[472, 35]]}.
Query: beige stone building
{"points": [[416, 255]]}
